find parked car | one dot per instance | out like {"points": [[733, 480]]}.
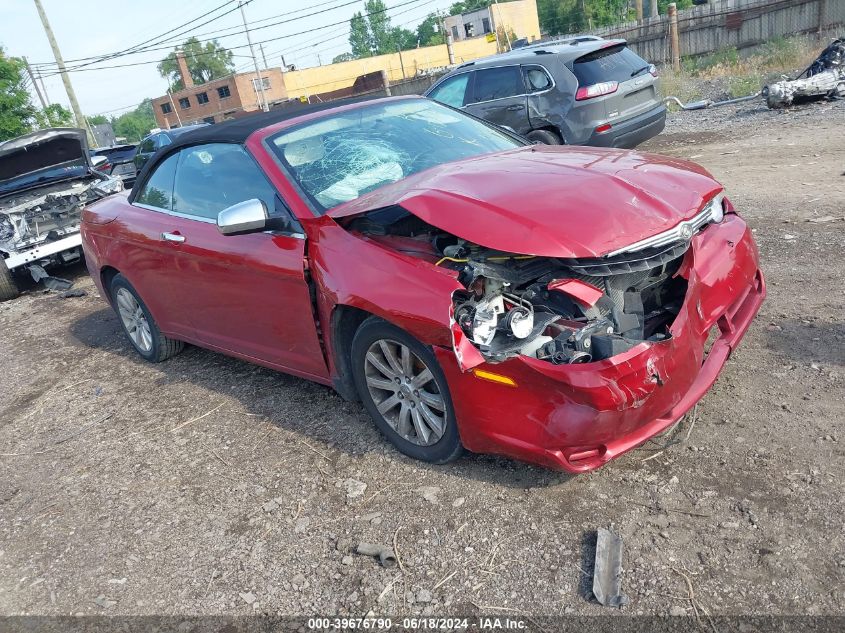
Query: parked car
{"points": [[151, 143], [473, 290], [116, 160], [46, 179], [582, 91]]}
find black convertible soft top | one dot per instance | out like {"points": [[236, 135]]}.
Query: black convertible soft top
{"points": [[238, 130]]}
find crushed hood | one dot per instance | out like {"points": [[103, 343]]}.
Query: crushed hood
{"points": [[40, 150], [550, 201]]}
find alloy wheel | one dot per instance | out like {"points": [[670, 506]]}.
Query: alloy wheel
{"points": [[134, 320], [405, 392]]}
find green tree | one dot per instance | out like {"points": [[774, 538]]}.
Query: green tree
{"points": [[370, 33], [359, 36], [205, 62], [560, 17], [427, 35], [468, 6], [17, 113], [98, 119], [54, 115], [343, 57], [135, 124]]}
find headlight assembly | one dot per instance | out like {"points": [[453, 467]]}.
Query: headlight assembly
{"points": [[717, 207]]}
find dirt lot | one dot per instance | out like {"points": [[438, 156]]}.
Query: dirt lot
{"points": [[205, 485]]}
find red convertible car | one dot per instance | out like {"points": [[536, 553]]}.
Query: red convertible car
{"points": [[558, 305]]}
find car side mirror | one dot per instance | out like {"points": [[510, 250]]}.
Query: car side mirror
{"points": [[248, 216]]}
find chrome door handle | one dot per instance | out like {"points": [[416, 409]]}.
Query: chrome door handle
{"points": [[173, 237]]}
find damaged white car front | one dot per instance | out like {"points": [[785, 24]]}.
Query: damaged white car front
{"points": [[46, 180]]}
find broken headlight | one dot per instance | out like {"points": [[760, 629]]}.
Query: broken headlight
{"points": [[716, 206]]}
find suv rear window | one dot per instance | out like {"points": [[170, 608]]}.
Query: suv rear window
{"points": [[614, 63]]}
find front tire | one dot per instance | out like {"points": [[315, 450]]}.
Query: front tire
{"points": [[8, 287], [546, 137], [139, 325], [405, 392]]}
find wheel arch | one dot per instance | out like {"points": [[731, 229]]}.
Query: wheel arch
{"points": [[345, 321]]}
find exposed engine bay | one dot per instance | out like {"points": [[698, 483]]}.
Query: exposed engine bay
{"points": [[564, 311], [49, 213]]}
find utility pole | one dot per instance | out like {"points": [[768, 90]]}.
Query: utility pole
{"points": [[639, 7], [71, 95], [254, 61], [35, 84], [447, 37], [673, 37], [44, 89], [504, 28], [263, 56], [654, 8]]}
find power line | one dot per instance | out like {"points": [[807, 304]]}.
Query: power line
{"points": [[152, 47], [142, 47], [344, 32], [81, 68]]}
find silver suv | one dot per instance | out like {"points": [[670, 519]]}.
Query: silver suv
{"points": [[584, 91]]}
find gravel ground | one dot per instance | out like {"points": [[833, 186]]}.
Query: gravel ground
{"points": [[205, 485]]}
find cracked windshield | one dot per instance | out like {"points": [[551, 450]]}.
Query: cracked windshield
{"points": [[342, 157]]}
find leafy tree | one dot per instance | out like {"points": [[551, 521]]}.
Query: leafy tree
{"points": [[468, 6], [17, 113], [370, 33], [205, 62], [359, 36], [137, 123], [97, 119], [426, 33], [381, 34], [559, 17], [343, 57], [54, 115]]}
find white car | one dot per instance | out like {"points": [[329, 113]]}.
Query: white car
{"points": [[46, 179]]}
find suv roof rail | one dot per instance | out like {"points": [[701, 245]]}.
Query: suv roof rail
{"points": [[467, 64]]}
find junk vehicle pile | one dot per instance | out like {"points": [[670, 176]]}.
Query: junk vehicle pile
{"points": [[46, 180], [825, 77]]}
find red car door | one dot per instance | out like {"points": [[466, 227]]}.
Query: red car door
{"points": [[245, 294], [147, 256]]}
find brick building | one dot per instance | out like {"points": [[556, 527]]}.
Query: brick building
{"points": [[217, 100]]}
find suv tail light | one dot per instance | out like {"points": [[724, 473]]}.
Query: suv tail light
{"points": [[596, 90], [652, 70], [105, 167]]}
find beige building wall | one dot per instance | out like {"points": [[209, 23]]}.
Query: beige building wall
{"points": [[519, 16]]}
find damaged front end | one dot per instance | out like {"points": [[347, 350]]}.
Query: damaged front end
{"points": [[570, 362], [558, 310], [46, 180], [40, 228]]}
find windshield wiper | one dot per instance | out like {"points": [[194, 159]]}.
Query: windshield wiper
{"points": [[637, 72]]}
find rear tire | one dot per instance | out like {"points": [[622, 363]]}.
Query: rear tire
{"points": [[546, 137], [404, 390], [139, 325], [8, 287]]}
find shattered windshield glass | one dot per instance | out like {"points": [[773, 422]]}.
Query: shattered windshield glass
{"points": [[343, 156]]}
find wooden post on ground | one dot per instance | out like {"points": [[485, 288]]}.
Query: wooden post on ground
{"points": [[673, 37], [639, 7]]}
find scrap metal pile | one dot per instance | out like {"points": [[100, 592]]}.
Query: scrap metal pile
{"points": [[825, 77]]}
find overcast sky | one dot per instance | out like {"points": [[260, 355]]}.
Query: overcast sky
{"points": [[88, 28]]}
